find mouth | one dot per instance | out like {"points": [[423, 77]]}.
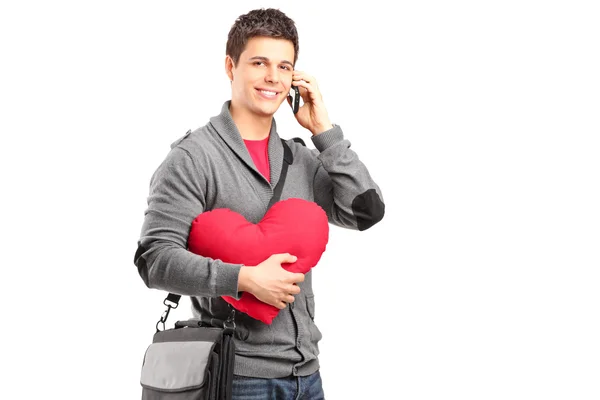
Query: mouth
{"points": [[268, 94]]}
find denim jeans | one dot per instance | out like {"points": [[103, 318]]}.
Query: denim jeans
{"points": [[289, 388]]}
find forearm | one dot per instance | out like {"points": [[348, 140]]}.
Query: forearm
{"points": [[177, 270], [343, 185]]}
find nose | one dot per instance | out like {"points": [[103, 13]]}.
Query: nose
{"points": [[272, 75]]}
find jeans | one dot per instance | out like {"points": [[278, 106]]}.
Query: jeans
{"points": [[289, 388]]}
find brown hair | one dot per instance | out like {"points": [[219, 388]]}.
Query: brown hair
{"points": [[268, 22]]}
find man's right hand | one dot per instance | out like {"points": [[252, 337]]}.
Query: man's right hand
{"points": [[269, 282]]}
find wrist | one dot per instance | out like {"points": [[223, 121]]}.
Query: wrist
{"points": [[321, 128], [245, 279]]}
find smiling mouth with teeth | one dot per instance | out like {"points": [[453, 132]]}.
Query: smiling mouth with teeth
{"points": [[268, 93]]}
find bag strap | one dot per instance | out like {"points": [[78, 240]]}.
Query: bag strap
{"points": [[172, 299], [288, 158]]}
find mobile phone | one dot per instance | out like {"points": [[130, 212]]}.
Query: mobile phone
{"points": [[294, 97]]}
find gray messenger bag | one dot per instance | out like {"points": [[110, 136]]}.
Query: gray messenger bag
{"points": [[191, 361]]}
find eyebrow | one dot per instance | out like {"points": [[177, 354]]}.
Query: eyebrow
{"points": [[260, 58]]}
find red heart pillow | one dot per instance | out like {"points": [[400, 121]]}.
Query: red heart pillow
{"points": [[294, 226]]}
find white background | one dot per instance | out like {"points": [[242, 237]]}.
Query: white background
{"points": [[479, 120]]}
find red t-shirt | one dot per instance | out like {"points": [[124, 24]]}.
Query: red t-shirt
{"points": [[259, 151]]}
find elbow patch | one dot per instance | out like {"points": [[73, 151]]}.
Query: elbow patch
{"points": [[368, 209], [140, 262]]}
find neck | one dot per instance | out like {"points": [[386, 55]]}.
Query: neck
{"points": [[251, 126]]}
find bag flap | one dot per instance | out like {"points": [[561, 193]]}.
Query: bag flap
{"points": [[176, 366]]}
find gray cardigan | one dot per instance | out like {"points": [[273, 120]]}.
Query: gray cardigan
{"points": [[211, 168]]}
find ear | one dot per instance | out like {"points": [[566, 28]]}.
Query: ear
{"points": [[229, 67]]}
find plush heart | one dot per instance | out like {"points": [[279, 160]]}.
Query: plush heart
{"points": [[294, 226]]}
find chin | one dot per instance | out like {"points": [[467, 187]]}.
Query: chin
{"points": [[267, 110]]}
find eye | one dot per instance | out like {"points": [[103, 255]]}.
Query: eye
{"points": [[286, 67], [259, 63]]}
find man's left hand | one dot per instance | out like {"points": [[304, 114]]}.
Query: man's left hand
{"points": [[313, 114]]}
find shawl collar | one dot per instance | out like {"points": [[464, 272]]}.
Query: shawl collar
{"points": [[228, 131]]}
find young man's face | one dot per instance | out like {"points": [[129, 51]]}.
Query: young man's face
{"points": [[262, 78]]}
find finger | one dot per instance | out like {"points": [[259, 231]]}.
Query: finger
{"points": [[299, 75], [301, 83], [297, 277], [293, 289], [307, 90], [289, 299], [281, 305]]}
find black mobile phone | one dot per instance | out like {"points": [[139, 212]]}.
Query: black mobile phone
{"points": [[294, 96]]}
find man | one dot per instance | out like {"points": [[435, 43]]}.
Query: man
{"points": [[234, 162]]}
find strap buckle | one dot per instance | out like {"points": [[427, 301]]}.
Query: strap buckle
{"points": [[229, 323], [171, 304]]}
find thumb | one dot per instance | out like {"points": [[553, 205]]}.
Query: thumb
{"points": [[286, 258]]}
